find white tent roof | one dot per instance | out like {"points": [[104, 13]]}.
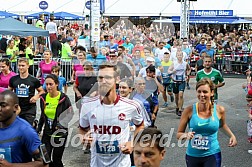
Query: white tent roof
{"points": [[241, 8], [24, 7]]}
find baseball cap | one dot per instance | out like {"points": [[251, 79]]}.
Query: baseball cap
{"points": [[113, 52], [150, 59], [69, 39]]}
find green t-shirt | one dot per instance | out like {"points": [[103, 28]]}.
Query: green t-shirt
{"points": [[214, 75], [28, 51], [52, 104], [10, 53], [66, 51], [40, 24]]}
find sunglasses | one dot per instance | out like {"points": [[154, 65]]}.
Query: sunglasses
{"points": [[112, 55], [141, 84]]}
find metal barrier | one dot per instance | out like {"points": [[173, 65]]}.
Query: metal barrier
{"points": [[229, 62], [65, 66]]}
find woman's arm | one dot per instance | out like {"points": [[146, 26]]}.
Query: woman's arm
{"points": [[186, 115], [224, 126]]}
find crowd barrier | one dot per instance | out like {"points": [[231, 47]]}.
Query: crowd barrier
{"points": [[65, 66], [232, 62]]}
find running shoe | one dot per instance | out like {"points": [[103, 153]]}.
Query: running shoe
{"points": [[188, 87], [177, 111], [250, 139], [172, 98], [165, 105], [250, 151]]}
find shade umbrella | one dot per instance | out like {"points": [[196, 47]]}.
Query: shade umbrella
{"points": [[36, 15], [4, 14], [67, 16]]}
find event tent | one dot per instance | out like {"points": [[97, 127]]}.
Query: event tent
{"points": [[67, 16], [208, 20], [10, 26], [242, 21], [241, 8], [36, 15], [4, 14], [57, 16]]}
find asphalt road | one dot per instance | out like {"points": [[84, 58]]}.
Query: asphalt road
{"points": [[231, 96]]}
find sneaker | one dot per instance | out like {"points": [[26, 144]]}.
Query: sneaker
{"points": [[250, 139], [250, 151], [188, 87], [165, 105], [177, 111], [172, 98]]}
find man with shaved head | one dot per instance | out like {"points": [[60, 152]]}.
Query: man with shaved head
{"points": [[19, 142]]}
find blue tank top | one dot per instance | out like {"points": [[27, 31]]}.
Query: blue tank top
{"points": [[205, 140]]}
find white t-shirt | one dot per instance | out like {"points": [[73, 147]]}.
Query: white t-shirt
{"points": [[51, 27], [109, 125], [160, 53], [173, 49], [180, 71]]}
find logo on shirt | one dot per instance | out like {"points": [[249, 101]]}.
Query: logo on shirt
{"points": [[202, 124], [122, 116], [212, 78], [93, 117]]}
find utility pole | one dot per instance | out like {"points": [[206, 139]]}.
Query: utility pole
{"points": [[184, 18]]}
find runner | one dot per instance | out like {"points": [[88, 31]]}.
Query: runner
{"points": [[153, 151], [167, 81], [45, 66], [180, 70], [19, 142], [204, 119], [62, 81], [24, 85], [84, 83], [149, 100], [77, 66], [213, 74], [5, 73], [54, 105], [108, 116]]}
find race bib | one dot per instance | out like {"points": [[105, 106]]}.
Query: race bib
{"points": [[107, 147], [22, 92], [179, 77], [200, 142], [5, 153]]}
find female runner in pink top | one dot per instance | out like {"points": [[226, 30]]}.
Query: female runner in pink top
{"points": [[78, 65], [45, 66], [6, 73]]}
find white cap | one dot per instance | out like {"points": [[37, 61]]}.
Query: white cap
{"points": [[150, 59]]}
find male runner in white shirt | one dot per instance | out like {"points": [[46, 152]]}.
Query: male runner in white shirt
{"points": [[105, 120]]}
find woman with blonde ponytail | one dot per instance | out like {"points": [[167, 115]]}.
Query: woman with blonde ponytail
{"points": [[204, 119]]}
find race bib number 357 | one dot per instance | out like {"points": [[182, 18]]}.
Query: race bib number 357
{"points": [[107, 147]]}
